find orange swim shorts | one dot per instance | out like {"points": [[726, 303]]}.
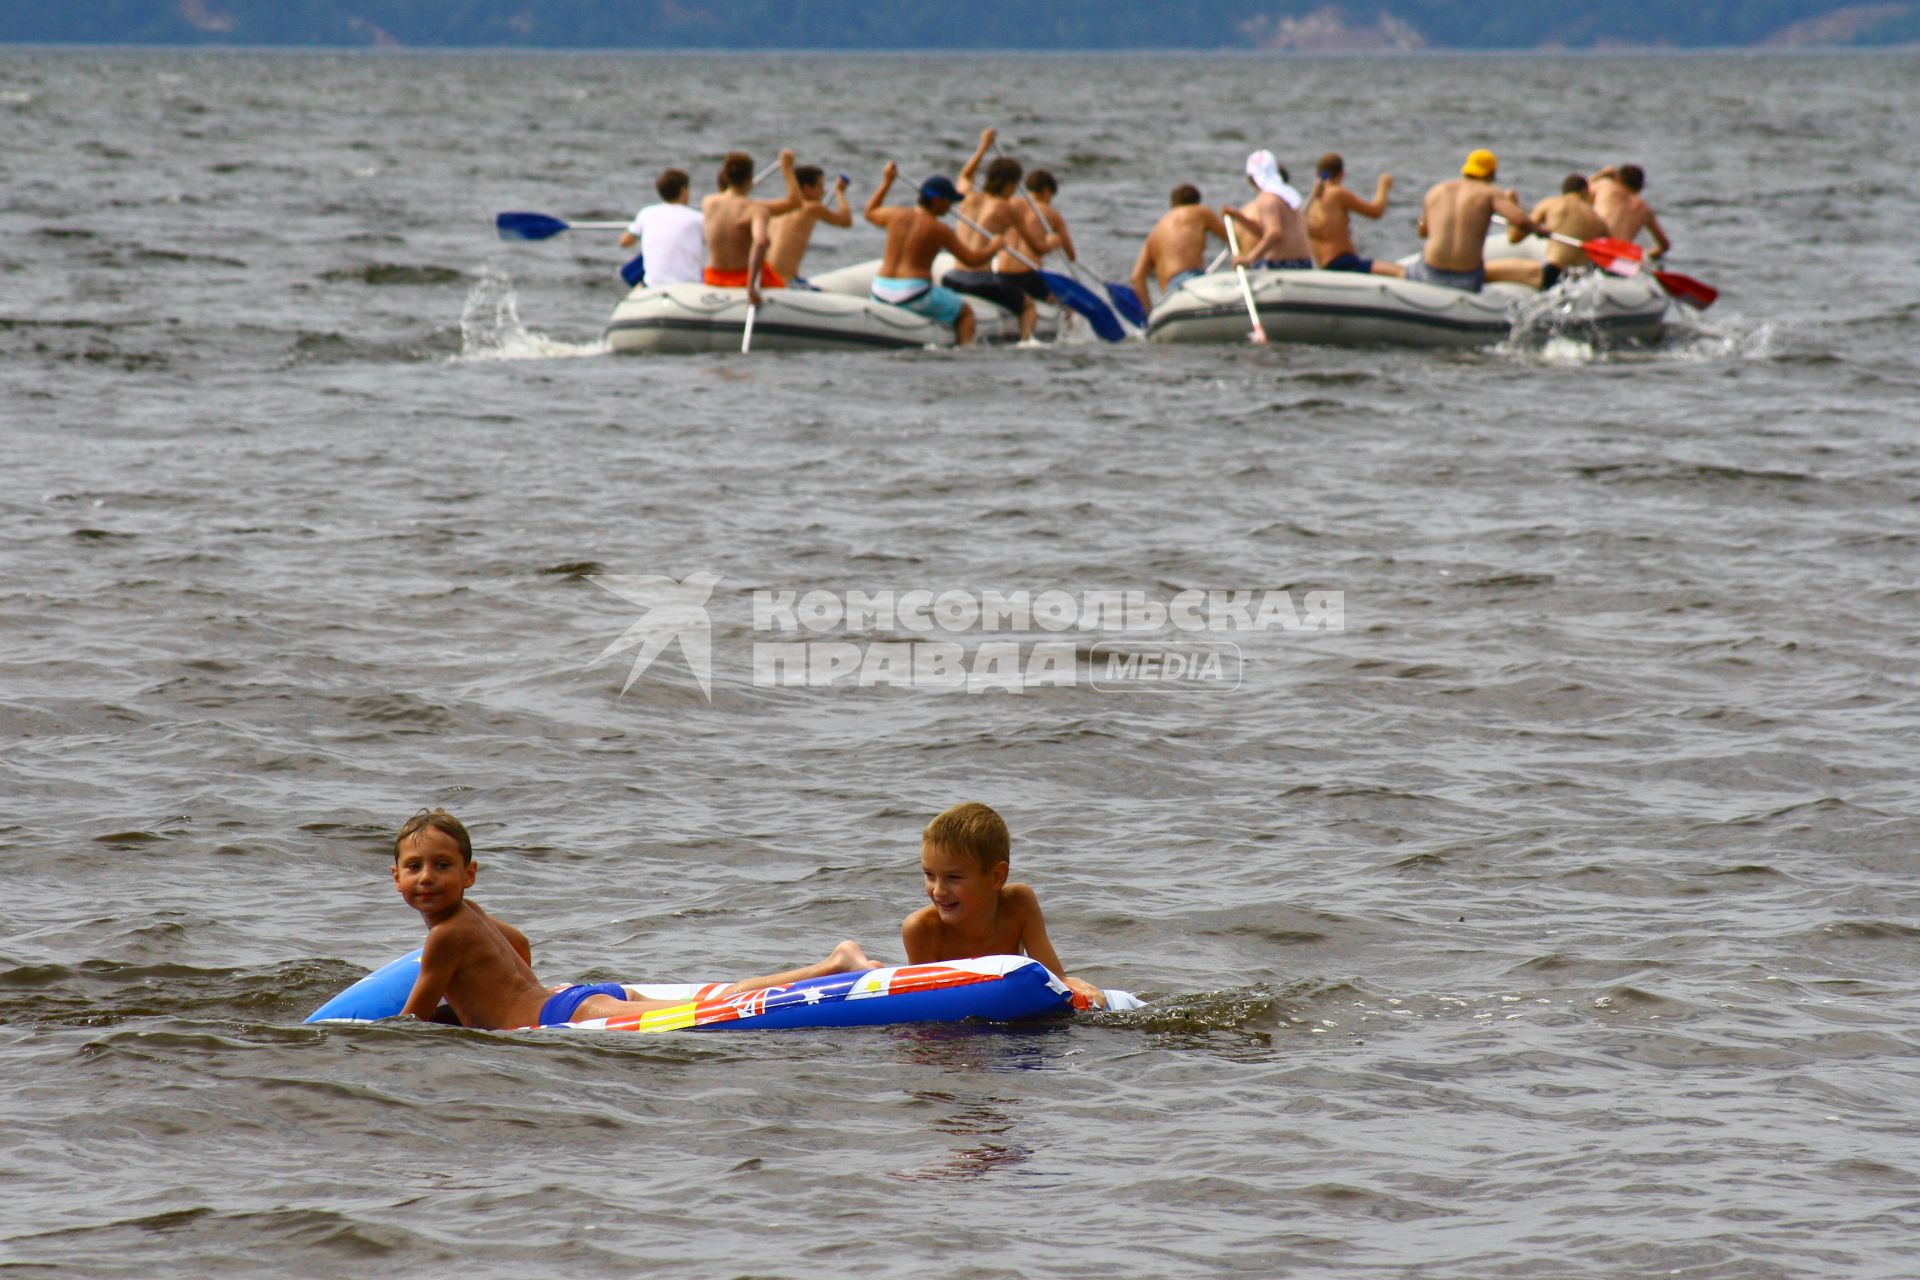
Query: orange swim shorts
{"points": [[769, 278]]}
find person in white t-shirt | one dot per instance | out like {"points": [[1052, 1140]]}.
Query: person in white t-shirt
{"points": [[671, 234]]}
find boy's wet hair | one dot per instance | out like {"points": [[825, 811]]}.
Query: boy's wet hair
{"points": [[1003, 176], [1040, 180], [808, 174], [1633, 176], [670, 184], [1185, 193], [1573, 184], [972, 830], [439, 820], [1331, 165], [737, 169]]}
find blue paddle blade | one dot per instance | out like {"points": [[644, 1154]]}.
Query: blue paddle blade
{"points": [[1082, 299], [527, 226], [1127, 303], [635, 272]]}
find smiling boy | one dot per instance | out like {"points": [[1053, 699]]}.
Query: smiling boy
{"points": [[484, 967], [971, 909]]}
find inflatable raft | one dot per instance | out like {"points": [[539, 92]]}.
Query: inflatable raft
{"points": [[990, 988], [1343, 308], [837, 314]]}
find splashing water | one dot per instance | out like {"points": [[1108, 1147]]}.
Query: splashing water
{"points": [[491, 329]]}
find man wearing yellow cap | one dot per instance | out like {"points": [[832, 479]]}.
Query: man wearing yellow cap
{"points": [[1454, 221]]}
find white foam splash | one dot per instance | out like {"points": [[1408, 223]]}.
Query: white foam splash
{"points": [[490, 326]]}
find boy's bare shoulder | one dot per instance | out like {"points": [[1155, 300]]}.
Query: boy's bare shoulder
{"points": [[1019, 897]]}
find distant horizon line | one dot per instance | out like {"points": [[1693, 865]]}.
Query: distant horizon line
{"points": [[404, 50]]}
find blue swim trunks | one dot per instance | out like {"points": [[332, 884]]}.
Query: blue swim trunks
{"points": [[1191, 273], [922, 297], [560, 1006], [1349, 262], [1465, 281], [1281, 264]]}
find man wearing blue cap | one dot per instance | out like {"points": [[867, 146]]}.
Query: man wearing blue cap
{"points": [[914, 238]]}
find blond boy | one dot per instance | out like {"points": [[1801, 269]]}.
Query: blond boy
{"points": [[971, 909], [484, 967]]}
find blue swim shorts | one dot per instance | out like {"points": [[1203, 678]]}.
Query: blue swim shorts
{"points": [[1350, 262], [1281, 264], [1467, 281], [922, 297], [1191, 273], [561, 1005]]}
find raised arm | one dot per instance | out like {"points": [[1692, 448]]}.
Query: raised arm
{"points": [[972, 166], [1375, 207], [843, 216], [878, 199], [791, 200]]}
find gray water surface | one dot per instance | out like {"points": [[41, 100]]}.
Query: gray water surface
{"points": [[1555, 918]]}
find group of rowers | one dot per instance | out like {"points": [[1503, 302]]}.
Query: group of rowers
{"points": [[1004, 233]]}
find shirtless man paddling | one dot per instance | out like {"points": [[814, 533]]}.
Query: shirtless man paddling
{"points": [[1176, 248], [1273, 219], [793, 231], [1327, 224], [915, 238], [996, 206], [1453, 221], [1616, 197], [737, 227], [1571, 213]]}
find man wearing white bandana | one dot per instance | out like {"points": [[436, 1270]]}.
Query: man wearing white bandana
{"points": [[1272, 218]]}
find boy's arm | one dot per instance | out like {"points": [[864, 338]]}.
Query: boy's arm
{"points": [[1058, 222], [841, 217], [877, 202], [791, 200], [1033, 938], [1141, 266], [439, 961], [1033, 230], [1659, 235], [969, 257], [965, 181], [1375, 207]]}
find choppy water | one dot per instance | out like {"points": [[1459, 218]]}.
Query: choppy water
{"points": [[1557, 918]]}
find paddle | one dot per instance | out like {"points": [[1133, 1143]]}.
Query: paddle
{"points": [[1070, 291], [1615, 256], [541, 226], [635, 271], [1124, 299], [1259, 334], [1686, 289], [746, 334]]}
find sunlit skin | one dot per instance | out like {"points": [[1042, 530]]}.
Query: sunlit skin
{"points": [[792, 232], [915, 238], [483, 967], [972, 911]]}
